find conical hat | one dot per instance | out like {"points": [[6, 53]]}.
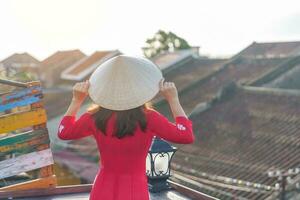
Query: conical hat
{"points": [[124, 82]]}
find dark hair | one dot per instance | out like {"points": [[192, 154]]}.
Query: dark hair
{"points": [[126, 120]]}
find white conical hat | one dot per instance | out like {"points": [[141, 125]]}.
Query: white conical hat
{"points": [[124, 82]]}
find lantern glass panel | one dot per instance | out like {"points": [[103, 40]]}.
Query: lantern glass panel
{"points": [[161, 163], [148, 164]]}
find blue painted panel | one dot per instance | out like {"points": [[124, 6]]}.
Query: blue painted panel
{"points": [[23, 102], [19, 94]]}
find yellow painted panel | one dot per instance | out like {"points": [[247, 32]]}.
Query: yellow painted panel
{"points": [[15, 121], [40, 183]]}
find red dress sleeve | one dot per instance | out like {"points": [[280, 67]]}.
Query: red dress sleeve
{"points": [[70, 128], [179, 132]]}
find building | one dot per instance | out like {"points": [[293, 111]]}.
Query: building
{"points": [[19, 62], [168, 61], [285, 76], [272, 49], [250, 66], [82, 69], [51, 68]]}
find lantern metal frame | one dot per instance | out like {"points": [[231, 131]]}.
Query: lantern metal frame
{"points": [[158, 181]]}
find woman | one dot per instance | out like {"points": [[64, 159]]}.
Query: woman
{"points": [[123, 125]]}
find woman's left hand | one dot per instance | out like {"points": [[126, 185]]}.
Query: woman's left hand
{"points": [[80, 91]]}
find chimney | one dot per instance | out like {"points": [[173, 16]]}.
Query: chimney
{"points": [[195, 50]]}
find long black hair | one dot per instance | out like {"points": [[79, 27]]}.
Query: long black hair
{"points": [[126, 120]]}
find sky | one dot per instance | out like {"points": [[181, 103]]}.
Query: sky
{"points": [[220, 28]]}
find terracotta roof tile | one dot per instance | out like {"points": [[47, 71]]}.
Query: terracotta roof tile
{"points": [[61, 59], [91, 60], [87, 65]]}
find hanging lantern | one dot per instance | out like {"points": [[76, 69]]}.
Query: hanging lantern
{"points": [[158, 164]]}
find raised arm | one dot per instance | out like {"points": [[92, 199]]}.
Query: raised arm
{"points": [[70, 128], [169, 91], [179, 132]]}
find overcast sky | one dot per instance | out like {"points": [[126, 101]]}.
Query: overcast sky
{"points": [[220, 28]]}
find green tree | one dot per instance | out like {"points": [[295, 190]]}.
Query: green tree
{"points": [[164, 42]]}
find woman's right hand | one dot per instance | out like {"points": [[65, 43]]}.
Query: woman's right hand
{"points": [[80, 91], [168, 90]]}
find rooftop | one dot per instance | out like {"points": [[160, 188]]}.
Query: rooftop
{"points": [[241, 135], [18, 59], [87, 65], [272, 49], [168, 59], [191, 71], [285, 76], [241, 70], [60, 59]]}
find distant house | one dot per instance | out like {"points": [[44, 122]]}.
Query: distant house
{"points": [[187, 72], [169, 60], [286, 74], [19, 62], [51, 68], [255, 65], [82, 69], [272, 50]]}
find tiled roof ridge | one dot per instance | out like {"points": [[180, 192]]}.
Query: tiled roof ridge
{"points": [[271, 49], [272, 91], [168, 52], [267, 43], [227, 91], [60, 52], [101, 51], [276, 42], [280, 69], [21, 54]]}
